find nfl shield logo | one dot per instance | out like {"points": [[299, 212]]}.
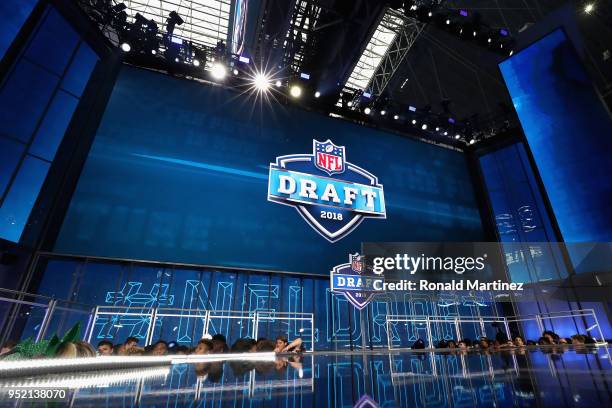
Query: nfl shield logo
{"points": [[328, 157], [357, 263]]}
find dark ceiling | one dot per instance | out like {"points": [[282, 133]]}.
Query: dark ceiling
{"points": [[440, 66]]}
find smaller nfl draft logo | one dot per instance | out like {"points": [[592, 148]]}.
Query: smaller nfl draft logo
{"points": [[356, 282], [330, 158]]}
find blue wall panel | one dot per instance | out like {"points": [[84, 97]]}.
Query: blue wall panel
{"points": [[569, 133]]}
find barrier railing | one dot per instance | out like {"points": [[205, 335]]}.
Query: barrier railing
{"points": [[153, 314], [539, 318]]}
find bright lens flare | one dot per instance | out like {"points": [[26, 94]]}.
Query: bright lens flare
{"points": [[261, 82], [218, 71], [295, 91]]}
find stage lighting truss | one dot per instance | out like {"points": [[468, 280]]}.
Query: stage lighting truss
{"points": [[395, 34]]}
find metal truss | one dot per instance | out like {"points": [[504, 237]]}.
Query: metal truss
{"points": [[407, 31], [299, 36]]}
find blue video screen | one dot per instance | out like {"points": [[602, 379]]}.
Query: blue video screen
{"points": [[178, 172], [569, 132]]}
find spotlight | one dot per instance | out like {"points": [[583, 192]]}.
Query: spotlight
{"points": [[349, 103], [196, 63], [445, 133], [317, 94], [511, 52], [153, 52], [383, 112], [218, 71], [429, 14], [461, 31], [472, 141], [396, 117], [489, 40], [474, 33], [457, 136], [235, 71], [278, 83], [437, 129], [447, 21], [589, 8], [125, 47], [367, 110], [424, 127], [295, 91], [261, 82], [414, 122]]}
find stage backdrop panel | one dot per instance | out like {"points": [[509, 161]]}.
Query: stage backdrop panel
{"points": [[569, 133], [179, 172]]}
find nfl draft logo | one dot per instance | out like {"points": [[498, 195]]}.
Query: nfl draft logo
{"points": [[355, 282], [332, 195]]}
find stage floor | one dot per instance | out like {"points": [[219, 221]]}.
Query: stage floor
{"points": [[554, 377]]}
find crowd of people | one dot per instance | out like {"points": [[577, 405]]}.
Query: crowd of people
{"points": [[216, 344], [502, 341]]}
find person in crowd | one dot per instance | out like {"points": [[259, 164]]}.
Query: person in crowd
{"points": [[553, 338], [465, 344], [84, 349], [243, 345], [502, 341], [484, 343], [204, 346], [418, 345], [452, 345], [264, 345], [179, 350], [159, 349], [131, 344], [442, 344], [519, 341], [219, 344], [105, 348], [545, 341], [282, 345], [578, 339], [7, 347], [564, 340]]}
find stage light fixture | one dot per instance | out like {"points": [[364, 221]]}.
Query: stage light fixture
{"points": [[437, 129], [447, 21], [424, 127], [367, 110], [489, 40], [414, 122], [474, 33], [173, 20], [589, 8], [278, 83], [472, 141], [196, 63], [349, 103], [154, 52], [317, 94], [429, 14], [218, 71], [235, 71], [261, 82], [445, 133], [511, 53], [125, 47], [383, 112], [457, 136], [396, 117], [295, 91]]}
